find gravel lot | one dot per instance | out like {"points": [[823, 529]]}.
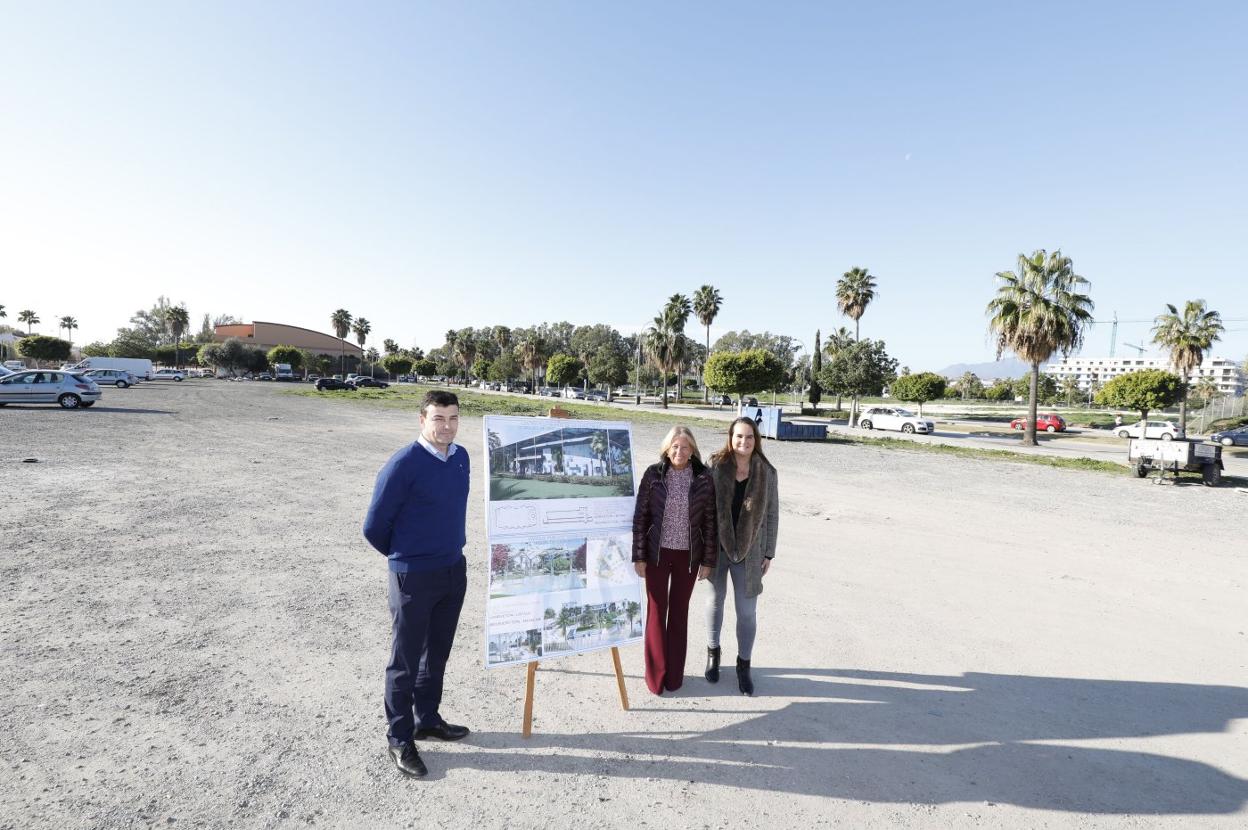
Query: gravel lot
{"points": [[194, 635]]}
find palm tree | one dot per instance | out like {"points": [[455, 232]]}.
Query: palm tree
{"points": [[1038, 310], [854, 292], [179, 321], [465, 354], [1187, 337], [28, 317], [341, 322], [665, 343], [390, 346], [706, 304], [3, 313], [68, 324], [529, 353]]}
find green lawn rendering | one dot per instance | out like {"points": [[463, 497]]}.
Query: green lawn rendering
{"points": [[505, 487]]}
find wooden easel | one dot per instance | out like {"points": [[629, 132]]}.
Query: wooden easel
{"points": [[528, 690], [557, 412]]}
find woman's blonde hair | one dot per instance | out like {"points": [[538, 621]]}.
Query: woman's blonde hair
{"points": [[672, 435]]}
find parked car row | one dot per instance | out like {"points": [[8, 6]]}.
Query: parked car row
{"points": [[350, 383]]}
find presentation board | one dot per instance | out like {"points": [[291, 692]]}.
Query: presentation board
{"points": [[559, 512]]}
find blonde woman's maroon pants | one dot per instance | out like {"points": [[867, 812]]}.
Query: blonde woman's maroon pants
{"points": [[669, 585]]}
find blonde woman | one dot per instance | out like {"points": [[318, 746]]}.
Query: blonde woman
{"points": [[749, 515], [675, 543]]}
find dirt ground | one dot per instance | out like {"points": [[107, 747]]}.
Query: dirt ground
{"points": [[193, 634]]}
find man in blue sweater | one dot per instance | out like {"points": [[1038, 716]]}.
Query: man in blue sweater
{"points": [[416, 520]]}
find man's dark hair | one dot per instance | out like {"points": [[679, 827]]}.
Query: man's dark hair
{"points": [[438, 397]]}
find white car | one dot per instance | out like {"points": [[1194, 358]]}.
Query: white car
{"points": [[69, 390], [111, 377], [1165, 430], [168, 374], [893, 417], [574, 393]]}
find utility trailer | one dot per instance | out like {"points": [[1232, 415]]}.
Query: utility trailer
{"points": [[1182, 456]]}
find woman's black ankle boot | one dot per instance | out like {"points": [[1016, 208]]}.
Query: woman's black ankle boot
{"points": [[743, 677], [712, 665]]}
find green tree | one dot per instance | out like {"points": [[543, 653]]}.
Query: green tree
{"points": [[286, 354], [389, 346], [666, 341], [606, 368], [1145, 391], [504, 368], [862, 368], [179, 320], [1187, 336], [840, 339], [41, 347], [530, 353], [211, 355], [481, 367], [920, 388], [96, 349], [562, 369], [397, 364], [706, 304], [361, 328], [854, 292], [131, 343], [970, 386], [744, 373], [341, 320], [28, 317], [424, 367], [1039, 309]]}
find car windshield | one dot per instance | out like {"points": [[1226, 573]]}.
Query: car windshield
{"points": [[906, 413]]}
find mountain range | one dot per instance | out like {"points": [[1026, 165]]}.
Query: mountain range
{"points": [[1011, 367]]}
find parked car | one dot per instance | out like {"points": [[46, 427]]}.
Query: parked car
{"points": [[333, 384], [597, 395], [1165, 430], [111, 377], [168, 374], [574, 393], [750, 401], [365, 380], [893, 417], [70, 390], [721, 400], [1237, 437], [264, 376], [1045, 422]]}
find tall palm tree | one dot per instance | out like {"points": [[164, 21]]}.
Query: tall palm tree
{"points": [[28, 317], [1039, 309], [665, 343], [341, 322], [179, 321], [1187, 337], [390, 346], [465, 354], [68, 324], [706, 304], [3, 313], [854, 292], [529, 353]]}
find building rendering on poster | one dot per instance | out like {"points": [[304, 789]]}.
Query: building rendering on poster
{"points": [[559, 509]]}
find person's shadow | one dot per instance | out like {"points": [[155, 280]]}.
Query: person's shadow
{"points": [[909, 738]]}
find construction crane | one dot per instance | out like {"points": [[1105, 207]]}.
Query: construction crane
{"points": [[1139, 350]]}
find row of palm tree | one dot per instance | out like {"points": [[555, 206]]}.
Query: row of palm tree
{"points": [[665, 342], [1042, 307], [31, 319], [343, 323]]}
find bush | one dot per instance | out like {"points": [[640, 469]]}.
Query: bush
{"points": [[42, 347]]}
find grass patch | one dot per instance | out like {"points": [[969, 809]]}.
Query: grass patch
{"points": [[1089, 464], [475, 404]]}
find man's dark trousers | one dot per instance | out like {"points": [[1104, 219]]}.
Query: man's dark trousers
{"points": [[424, 609]]}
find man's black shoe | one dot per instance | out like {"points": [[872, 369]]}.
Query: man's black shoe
{"points": [[443, 731], [407, 759]]}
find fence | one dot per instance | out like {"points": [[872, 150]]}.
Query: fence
{"points": [[1220, 408]]}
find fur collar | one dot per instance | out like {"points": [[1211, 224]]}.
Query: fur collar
{"points": [[736, 541]]}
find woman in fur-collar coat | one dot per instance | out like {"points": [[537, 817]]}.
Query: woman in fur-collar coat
{"points": [[748, 511]]}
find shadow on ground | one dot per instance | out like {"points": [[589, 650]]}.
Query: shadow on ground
{"points": [[924, 739]]}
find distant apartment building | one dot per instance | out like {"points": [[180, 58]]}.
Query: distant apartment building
{"points": [[1094, 372], [267, 335]]}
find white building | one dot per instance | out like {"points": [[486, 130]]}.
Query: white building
{"points": [[1094, 372]]}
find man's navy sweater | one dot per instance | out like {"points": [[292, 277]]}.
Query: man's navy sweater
{"points": [[419, 507]]}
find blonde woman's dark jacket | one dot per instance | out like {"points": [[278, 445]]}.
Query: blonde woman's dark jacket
{"points": [[754, 537], [648, 515]]}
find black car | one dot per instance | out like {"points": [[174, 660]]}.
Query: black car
{"points": [[722, 400], [332, 384], [367, 381]]}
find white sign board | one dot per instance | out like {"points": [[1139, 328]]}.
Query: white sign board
{"points": [[559, 512]]}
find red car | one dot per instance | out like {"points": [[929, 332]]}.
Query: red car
{"points": [[1047, 421]]}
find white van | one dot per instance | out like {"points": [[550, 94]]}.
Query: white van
{"points": [[140, 367]]}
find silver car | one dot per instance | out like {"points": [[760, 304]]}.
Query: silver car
{"points": [[111, 377], [69, 390]]}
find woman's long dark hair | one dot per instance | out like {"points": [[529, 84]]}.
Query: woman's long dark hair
{"points": [[726, 453]]}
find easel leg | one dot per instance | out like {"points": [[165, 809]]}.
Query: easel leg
{"points": [[528, 700], [619, 677]]}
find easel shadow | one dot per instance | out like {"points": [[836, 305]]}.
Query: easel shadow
{"points": [[910, 738]]}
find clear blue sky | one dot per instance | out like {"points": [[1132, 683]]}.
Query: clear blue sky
{"points": [[431, 166]]}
